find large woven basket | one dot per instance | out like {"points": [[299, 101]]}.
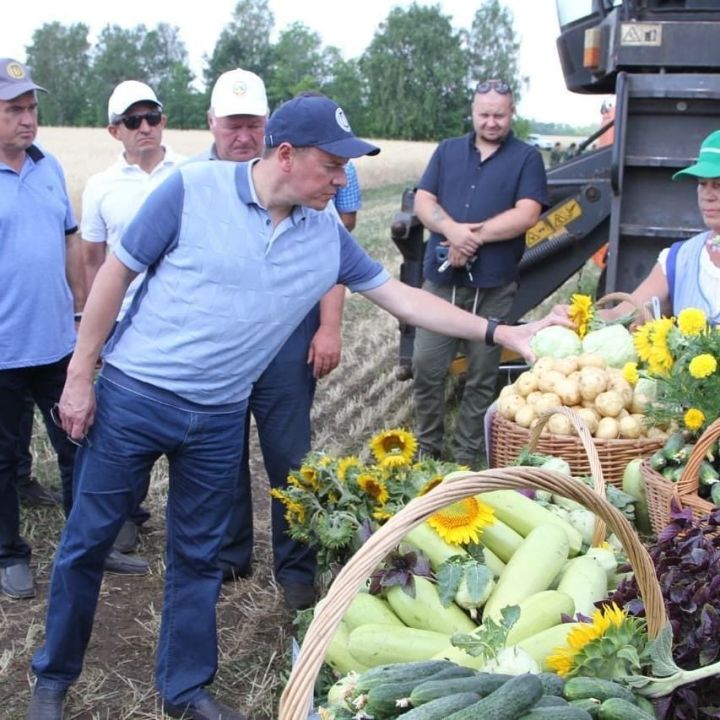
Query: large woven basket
{"points": [[661, 492], [297, 696], [507, 439]]}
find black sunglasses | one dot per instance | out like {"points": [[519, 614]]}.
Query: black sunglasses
{"points": [[498, 86], [133, 122], [55, 415]]}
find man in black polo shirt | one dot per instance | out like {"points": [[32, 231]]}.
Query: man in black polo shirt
{"points": [[478, 195]]}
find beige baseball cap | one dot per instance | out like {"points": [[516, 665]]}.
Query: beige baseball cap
{"points": [[239, 92]]}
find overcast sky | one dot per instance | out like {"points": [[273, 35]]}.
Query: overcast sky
{"points": [[349, 26]]}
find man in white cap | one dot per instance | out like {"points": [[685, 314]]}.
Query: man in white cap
{"points": [[42, 283], [234, 251], [110, 201], [281, 399]]}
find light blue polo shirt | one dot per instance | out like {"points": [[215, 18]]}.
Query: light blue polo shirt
{"points": [[224, 289], [36, 305]]}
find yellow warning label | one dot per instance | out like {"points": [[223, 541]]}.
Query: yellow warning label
{"points": [[641, 34], [553, 224]]}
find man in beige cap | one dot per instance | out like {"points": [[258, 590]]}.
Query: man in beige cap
{"points": [[282, 397], [110, 201]]}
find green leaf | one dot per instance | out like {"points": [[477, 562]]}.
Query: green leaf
{"points": [[490, 637], [630, 654], [477, 577], [475, 550], [663, 664], [510, 615], [449, 576]]}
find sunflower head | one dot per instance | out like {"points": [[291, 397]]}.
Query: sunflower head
{"points": [[433, 482], [345, 464], [630, 372], [581, 313], [463, 521], [692, 321], [309, 477], [374, 486], [393, 448]]}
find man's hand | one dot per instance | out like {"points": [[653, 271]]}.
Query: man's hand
{"points": [[77, 407], [325, 350], [456, 258], [518, 337], [463, 238]]}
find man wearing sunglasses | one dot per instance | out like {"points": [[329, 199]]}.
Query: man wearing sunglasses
{"points": [[478, 196], [110, 201], [41, 286]]}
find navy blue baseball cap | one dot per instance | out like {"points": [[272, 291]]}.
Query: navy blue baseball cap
{"points": [[315, 121]]}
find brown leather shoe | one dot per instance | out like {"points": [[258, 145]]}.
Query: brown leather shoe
{"points": [[204, 707]]}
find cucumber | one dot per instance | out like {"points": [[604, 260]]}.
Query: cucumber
{"points": [[480, 683], [644, 704], [532, 568], [508, 702], [556, 713], [552, 684], [590, 705], [385, 701], [551, 701], [585, 687], [618, 709], [399, 672], [440, 708], [380, 644]]}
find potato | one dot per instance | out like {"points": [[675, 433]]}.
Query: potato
{"points": [[542, 365], [588, 360], [609, 404], [533, 397], [559, 424], [592, 382], [548, 401], [608, 428], [525, 416], [630, 428], [656, 433], [623, 387], [639, 403], [509, 405], [526, 383], [566, 365], [590, 418], [507, 390], [568, 391], [548, 381]]}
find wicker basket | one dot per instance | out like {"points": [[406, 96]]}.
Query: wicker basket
{"points": [[661, 492], [297, 696], [507, 439]]}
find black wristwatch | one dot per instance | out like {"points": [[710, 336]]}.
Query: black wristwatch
{"points": [[492, 323]]}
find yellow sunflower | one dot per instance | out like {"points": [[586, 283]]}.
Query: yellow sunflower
{"points": [[691, 321], [373, 486], [309, 477], [463, 521], [381, 514], [630, 372], [393, 448], [294, 511], [562, 660], [345, 464], [581, 313], [694, 419], [702, 366], [430, 484], [651, 343]]}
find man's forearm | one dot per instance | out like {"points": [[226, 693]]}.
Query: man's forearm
{"points": [[331, 307], [508, 224], [94, 254], [431, 213], [75, 272]]}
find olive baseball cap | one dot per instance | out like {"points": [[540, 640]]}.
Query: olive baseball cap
{"points": [[708, 162], [15, 79]]}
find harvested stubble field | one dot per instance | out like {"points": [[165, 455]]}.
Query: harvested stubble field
{"points": [[255, 629]]}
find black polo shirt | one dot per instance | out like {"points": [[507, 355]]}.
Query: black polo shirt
{"points": [[471, 190]]}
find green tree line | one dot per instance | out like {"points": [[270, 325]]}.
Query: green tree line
{"points": [[412, 82]]}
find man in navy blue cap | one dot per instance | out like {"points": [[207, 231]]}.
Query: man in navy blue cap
{"points": [[231, 252]]}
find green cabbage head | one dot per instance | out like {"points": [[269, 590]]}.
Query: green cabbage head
{"points": [[556, 341], [613, 342]]}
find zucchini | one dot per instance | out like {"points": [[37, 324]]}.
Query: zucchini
{"points": [[399, 672], [425, 611], [441, 707], [618, 709], [480, 683], [500, 539], [545, 643], [365, 609], [381, 644], [508, 702], [586, 687], [552, 684], [531, 569], [338, 656], [556, 713], [523, 515], [633, 483], [590, 705], [585, 581], [539, 612]]}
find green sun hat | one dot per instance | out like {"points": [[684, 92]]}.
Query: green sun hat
{"points": [[708, 162]]}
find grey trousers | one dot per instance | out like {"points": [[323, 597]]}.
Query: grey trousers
{"points": [[433, 354]]}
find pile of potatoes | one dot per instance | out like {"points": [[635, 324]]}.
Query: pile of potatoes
{"points": [[586, 384]]}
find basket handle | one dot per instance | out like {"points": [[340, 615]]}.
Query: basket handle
{"points": [[643, 315], [689, 482], [297, 696], [583, 432]]}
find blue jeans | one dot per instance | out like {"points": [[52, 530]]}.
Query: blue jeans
{"points": [[44, 384], [280, 402], [129, 434]]}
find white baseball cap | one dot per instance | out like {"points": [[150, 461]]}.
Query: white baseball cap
{"points": [[239, 92], [128, 93]]}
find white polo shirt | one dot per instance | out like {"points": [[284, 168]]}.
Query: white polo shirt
{"points": [[111, 199]]}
